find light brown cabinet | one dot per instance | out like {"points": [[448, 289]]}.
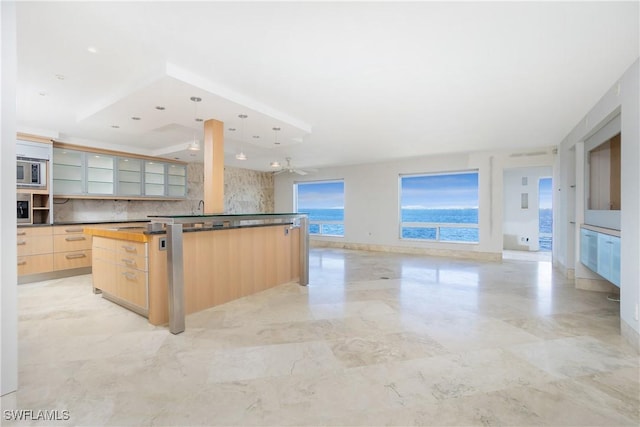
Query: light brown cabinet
{"points": [[71, 248], [120, 271], [35, 250], [61, 249]]}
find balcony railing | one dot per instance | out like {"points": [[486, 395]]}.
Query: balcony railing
{"points": [[440, 232], [326, 228]]}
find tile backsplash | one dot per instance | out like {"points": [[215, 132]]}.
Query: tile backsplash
{"points": [[245, 191]]}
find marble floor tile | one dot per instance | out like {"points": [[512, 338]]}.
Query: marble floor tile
{"points": [[374, 339], [574, 356]]}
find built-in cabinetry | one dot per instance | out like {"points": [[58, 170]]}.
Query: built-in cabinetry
{"points": [[35, 250], [46, 252], [99, 174], [120, 271], [37, 198], [600, 252], [71, 248]]}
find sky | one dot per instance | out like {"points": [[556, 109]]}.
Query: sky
{"points": [[545, 193], [321, 195], [453, 191]]}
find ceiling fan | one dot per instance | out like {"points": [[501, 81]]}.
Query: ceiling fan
{"points": [[291, 169]]}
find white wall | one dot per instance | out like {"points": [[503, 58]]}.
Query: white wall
{"points": [[372, 197], [8, 285], [623, 97], [521, 223]]}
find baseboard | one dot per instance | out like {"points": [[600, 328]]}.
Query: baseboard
{"points": [[50, 275], [631, 335], [596, 285], [569, 273], [449, 253]]}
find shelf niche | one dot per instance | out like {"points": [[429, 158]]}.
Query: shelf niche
{"points": [[602, 178]]}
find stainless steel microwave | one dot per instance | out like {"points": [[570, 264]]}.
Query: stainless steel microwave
{"points": [[31, 173]]}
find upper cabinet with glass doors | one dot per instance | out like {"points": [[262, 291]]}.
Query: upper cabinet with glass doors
{"points": [[78, 173]]}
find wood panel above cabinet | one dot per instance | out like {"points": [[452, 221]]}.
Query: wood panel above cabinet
{"points": [[88, 173]]}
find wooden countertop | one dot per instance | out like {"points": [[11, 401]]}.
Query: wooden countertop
{"points": [[130, 234]]}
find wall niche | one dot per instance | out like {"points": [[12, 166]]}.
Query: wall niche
{"points": [[604, 176]]}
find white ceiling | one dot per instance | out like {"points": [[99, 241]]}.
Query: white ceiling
{"points": [[346, 82]]}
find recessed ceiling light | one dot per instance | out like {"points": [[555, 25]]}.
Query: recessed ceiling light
{"points": [[159, 107], [276, 129], [275, 164], [232, 129], [135, 118], [115, 126], [256, 136], [59, 76], [42, 93], [92, 49], [198, 119], [276, 143]]}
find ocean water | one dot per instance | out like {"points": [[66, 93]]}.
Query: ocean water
{"points": [[546, 227], [449, 216]]}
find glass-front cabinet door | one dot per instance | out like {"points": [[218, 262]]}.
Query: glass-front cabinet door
{"points": [[100, 174], [154, 178], [177, 180], [129, 177], [68, 172]]}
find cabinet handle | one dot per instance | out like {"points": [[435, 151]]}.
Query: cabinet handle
{"points": [[75, 256], [129, 275], [22, 262], [129, 248], [75, 238], [21, 243], [128, 261], [73, 230], [22, 233]]}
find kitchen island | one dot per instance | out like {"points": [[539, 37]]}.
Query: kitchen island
{"points": [[179, 265]]}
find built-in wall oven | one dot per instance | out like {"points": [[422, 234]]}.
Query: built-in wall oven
{"points": [[23, 202], [31, 173]]}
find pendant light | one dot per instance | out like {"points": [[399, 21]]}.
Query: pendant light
{"points": [[241, 155], [195, 145], [275, 164]]}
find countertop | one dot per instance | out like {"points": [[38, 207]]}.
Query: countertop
{"points": [[140, 234], [114, 221]]}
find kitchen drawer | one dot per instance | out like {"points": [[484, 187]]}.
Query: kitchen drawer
{"points": [[68, 229], [34, 245], [126, 247], [75, 259], [106, 243], [131, 285], [71, 242], [104, 254], [132, 261], [34, 264], [33, 231]]}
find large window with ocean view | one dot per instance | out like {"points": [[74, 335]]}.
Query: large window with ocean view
{"points": [[439, 207], [324, 202]]}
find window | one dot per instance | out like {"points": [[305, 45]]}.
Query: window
{"points": [[439, 207], [324, 202]]}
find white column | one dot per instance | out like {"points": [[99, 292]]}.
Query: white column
{"points": [[8, 270]]}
